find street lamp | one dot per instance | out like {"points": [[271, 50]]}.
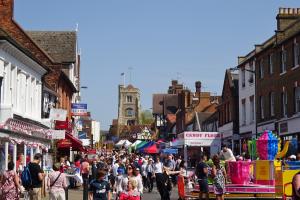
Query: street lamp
{"points": [[254, 73]]}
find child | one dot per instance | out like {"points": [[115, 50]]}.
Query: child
{"points": [[131, 193], [99, 188]]}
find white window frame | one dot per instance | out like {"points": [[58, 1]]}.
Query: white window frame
{"points": [[283, 61], [261, 69], [243, 111], [271, 64]]}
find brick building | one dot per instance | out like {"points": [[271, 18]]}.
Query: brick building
{"points": [[278, 77], [229, 111]]}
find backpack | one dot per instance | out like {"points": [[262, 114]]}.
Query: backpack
{"points": [[26, 178]]}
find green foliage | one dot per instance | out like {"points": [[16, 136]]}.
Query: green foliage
{"points": [[146, 117]]}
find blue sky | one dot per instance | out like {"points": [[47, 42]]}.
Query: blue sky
{"points": [[160, 39]]}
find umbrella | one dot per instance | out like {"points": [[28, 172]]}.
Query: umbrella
{"points": [[127, 144], [120, 143], [138, 146], [151, 149], [133, 145], [142, 149]]}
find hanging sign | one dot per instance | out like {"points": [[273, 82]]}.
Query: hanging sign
{"points": [[58, 114], [79, 109], [57, 134]]}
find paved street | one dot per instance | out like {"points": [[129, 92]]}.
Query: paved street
{"points": [[76, 194]]}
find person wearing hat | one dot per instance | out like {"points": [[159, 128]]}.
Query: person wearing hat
{"points": [[119, 181], [144, 173], [150, 175]]}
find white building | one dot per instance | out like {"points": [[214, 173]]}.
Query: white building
{"points": [[21, 131], [21, 88], [247, 116], [96, 131]]}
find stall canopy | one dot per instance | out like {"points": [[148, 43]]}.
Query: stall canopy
{"points": [[151, 149], [141, 144], [120, 143], [127, 144], [70, 141], [142, 149], [169, 151], [133, 145]]}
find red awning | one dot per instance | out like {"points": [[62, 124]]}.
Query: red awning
{"points": [[152, 149], [70, 141]]}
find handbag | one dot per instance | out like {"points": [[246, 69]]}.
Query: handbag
{"points": [[55, 180]]}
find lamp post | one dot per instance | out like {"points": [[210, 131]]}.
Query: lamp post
{"points": [[255, 85]]}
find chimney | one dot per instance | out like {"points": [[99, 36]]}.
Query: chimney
{"points": [[198, 86], [286, 17], [6, 10]]}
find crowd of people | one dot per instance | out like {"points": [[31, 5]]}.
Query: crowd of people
{"points": [[119, 175]]}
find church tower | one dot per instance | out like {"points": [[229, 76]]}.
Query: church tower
{"points": [[129, 105]]}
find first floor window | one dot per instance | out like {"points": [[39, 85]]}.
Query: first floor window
{"points": [[297, 99], [244, 112], [262, 109], [252, 108], [272, 104], [284, 103]]}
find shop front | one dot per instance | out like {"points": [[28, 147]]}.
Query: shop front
{"points": [[288, 129], [19, 141]]}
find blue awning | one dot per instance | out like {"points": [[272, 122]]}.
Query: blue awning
{"points": [[170, 151]]}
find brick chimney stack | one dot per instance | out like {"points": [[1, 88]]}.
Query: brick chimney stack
{"points": [[286, 16], [6, 10]]}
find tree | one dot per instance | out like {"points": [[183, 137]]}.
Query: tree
{"points": [[146, 117]]}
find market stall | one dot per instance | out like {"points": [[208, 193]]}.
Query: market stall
{"points": [[194, 142]]}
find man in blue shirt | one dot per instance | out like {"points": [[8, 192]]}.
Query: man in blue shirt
{"points": [[99, 188]]}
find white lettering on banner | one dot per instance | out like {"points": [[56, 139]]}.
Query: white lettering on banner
{"points": [[202, 135]]}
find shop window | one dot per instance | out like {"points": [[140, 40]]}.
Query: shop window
{"points": [[129, 112], [297, 99]]}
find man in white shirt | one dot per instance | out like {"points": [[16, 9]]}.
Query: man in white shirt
{"points": [[227, 154]]}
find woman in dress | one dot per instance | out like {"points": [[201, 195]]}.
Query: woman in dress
{"points": [[218, 174], [57, 183], [10, 183]]}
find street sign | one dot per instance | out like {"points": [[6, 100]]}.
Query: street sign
{"points": [[79, 109], [82, 135]]}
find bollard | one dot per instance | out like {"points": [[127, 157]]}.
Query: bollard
{"points": [[67, 193], [85, 188]]}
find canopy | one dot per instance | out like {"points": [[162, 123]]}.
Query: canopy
{"points": [[127, 144], [160, 141], [142, 149], [120, 143], [70, 141], [141, 144], [170, 151], [151, 149], [133, 145]]}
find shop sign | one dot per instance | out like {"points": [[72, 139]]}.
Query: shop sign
{"points": [[202, 135], [58, 114], [65, 143], [79, 109], [57, 134], [92, 151]]}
